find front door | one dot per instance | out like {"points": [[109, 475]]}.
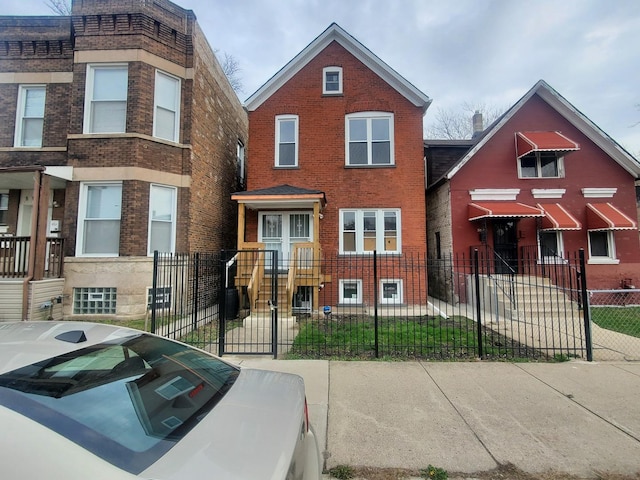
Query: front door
{"points": [[505, 245], [281, 230]]}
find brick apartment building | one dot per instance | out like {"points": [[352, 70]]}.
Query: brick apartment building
{"points": [[119, 135], [336, 168]]}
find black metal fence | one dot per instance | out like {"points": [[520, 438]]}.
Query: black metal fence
{"points": [[373, 306], [185, 299]]}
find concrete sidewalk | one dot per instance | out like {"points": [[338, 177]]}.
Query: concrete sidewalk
{"points": [[576, 417]]}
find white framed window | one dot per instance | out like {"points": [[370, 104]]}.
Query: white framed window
{"points": [[541, 165], [550, 245], [166, 107], [602, 247], [351, 292], [105, 107], [30, 116], [391, 291], [369, 139], [287, 141], [240, 163], [162, 219], [4, 208], [332, 80], [366, 230], [99, 212]]}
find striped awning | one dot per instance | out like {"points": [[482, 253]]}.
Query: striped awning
{"points": [[527, 142], [556, 217], [604, 216], [479, 210]]}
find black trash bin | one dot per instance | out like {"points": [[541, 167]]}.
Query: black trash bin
{"points": [[231, 304]]}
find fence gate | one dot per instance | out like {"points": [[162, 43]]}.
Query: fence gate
{"points": [[249, 314]]}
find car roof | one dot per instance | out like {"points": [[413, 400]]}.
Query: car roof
{"points": [[24, 343]]}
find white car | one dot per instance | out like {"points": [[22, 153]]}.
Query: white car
{"points": [[93, 401]]}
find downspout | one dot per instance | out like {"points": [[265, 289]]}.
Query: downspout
{"points": [[35, 215]]}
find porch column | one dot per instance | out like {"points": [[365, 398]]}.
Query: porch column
{"points": [[41, 214], [316, 225], [241, 225], [316, 257]]}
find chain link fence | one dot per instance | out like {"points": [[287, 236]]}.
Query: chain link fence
{"points": [[615, 320]]}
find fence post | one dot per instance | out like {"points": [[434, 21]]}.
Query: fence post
{"points": [[375, 303], [196, 288], [222, 302], [586, 307], [476, 276], [154, 291], [274, 300]]}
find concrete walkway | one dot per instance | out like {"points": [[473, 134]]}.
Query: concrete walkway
{"points": [[576, 417]]}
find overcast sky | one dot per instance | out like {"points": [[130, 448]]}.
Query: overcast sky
{"points": [[455, 51]]}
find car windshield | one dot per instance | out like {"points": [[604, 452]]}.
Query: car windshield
{"points": [[128, 400]]}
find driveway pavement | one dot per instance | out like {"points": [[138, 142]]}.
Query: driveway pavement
{"points": [[576, 417]]}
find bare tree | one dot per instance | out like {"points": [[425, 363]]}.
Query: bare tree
{"points": [[231, 69], [59, 7], [456, 123]]}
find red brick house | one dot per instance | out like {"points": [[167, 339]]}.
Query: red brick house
{"points": [[540, 182], [336, 163], [107, 153]]}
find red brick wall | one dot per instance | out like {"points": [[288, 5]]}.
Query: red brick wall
{"points": [[322, 147]]}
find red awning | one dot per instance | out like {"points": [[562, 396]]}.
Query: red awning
{"points": [[557, 218], [604, 216], [479, 210], [527, 142]]}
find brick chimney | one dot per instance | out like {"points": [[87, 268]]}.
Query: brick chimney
{"points": [[478, 127]]}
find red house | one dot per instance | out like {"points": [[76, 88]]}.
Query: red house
{"points": [[540, 182], [334, 168]]}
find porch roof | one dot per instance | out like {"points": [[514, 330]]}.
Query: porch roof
{"points": [[604, 216], [280, 196], [527, 142], [557, 218], [479, 210]]}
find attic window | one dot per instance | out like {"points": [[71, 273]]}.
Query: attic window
{"points": [[332, 81]]}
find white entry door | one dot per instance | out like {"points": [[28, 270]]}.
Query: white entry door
{"points": [[281, 230]]}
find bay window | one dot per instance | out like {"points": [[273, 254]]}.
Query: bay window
{"points": [[162, 219], [105, 109], [166, 107], [99, 212]]}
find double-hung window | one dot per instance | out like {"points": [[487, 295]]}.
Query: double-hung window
{"points": [[30, 116], [99, 219], [162, 219], [541, 164], [369, 139], [105, 109], [287, 141], [4, 209], [366, 230], [240, 164], [166, 107], [332, 80]]}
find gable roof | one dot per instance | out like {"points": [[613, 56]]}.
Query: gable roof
{"points": [[571, 114], [336, 33]]}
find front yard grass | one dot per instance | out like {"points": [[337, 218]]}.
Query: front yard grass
{"points": [[619, 319], [353, 336]]}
